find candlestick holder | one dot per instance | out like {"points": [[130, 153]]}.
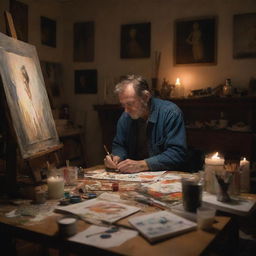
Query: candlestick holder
{"points": [[224, 181]]}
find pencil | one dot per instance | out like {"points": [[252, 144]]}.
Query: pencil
{"points": [[106, 149]]}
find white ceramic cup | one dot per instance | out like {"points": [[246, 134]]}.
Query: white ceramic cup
{"points": [[205, 217]]}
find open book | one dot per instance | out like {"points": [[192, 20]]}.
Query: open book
{"points": [[98, 210], [160, 225]]}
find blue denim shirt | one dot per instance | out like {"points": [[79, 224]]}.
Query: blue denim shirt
{"points": [[166, 133]]}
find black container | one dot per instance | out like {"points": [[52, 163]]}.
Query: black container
{"points": [[191, 195]]}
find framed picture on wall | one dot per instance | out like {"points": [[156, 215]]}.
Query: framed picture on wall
{"points": [[244, 35], [86, 81], [52, 73], [135, 40], [195, 41], [48, 31], [83, 41], [19, 13]]}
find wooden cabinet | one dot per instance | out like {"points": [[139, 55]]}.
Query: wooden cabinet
{"points": [[232, 144]]}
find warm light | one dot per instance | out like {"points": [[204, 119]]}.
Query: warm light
{"points": [[244, 159], [215, 156], [177, 82]]}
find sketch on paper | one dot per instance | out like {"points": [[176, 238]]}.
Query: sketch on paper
{"points": [[99, 210], [136, 177], [26, 97]]}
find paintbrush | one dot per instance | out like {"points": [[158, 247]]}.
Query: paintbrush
{"points": [[110, 155]]}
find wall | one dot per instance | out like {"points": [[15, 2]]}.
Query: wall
{"points": [[108, 16]]}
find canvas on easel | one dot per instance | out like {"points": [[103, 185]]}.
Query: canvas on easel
{"points": [[26, 97]]}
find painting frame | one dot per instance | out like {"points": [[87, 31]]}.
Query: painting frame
{"points": [[86, 81], [83, 41], [48, 31], [52, 73], [19, 13], [244, 35], [33, 125], [135, 41], [195, 41]]}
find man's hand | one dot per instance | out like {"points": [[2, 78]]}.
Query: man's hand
{"points": [[111, 161], [132, 166]]}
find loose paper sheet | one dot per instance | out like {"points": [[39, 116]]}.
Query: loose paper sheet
{"points": [[138, 177], [115, 239]]}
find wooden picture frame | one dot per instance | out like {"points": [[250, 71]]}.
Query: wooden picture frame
{"points": [[19, 13], [52, 73], [195, 41], [83, 41], [26, 97], [86, 81], [244, 35], [135, 40], [48, 31]]}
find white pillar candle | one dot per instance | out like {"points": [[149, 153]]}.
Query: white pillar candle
{"points": [[55, 187], [245, 175], [213, 163]]}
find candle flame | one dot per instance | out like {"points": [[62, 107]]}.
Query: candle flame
{"points": [[216, 156], [244, 159], [177, 82]]}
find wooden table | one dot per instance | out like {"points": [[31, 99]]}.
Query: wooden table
{"points": [[45, 232]]}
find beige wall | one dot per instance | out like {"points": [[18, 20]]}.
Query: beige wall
{"points": [[108, 15]]}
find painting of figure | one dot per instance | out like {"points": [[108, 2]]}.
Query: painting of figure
{"points": [[195, 41], [83, 41], [48, 32], [86, 81], [26, 97], [244, 36], [135, 40]]}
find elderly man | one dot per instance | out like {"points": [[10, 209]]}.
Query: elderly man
{"points": [[150, 132]]}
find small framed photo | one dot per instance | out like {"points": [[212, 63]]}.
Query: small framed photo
{"points": [[195, 41], [83, 41], [86, 81], [244, 36], [48, 31], [135, 40]]}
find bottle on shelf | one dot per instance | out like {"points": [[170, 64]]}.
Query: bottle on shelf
{"points": [[227, 88]]}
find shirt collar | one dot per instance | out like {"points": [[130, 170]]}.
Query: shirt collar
{"points": [[153, 113]]}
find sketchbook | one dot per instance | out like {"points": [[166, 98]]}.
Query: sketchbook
{"points": [[161, 225], [98, 210]]}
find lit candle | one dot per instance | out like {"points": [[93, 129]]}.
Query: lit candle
{"points": [[55, 187], [179, 88], [213, 163], [244, 175], [177, 82], [215, 159]]}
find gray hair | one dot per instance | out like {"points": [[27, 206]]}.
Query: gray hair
{"points": [[139, 84]]}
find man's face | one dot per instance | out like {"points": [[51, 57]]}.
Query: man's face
{"points": [[132, 104]]}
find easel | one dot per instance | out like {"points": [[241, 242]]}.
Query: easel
{"points": [[33, 162]]}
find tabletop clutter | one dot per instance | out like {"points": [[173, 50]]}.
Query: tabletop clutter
{"points": [[102, 198]]}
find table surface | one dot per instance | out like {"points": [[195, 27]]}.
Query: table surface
{"points": [[46, 231]]}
